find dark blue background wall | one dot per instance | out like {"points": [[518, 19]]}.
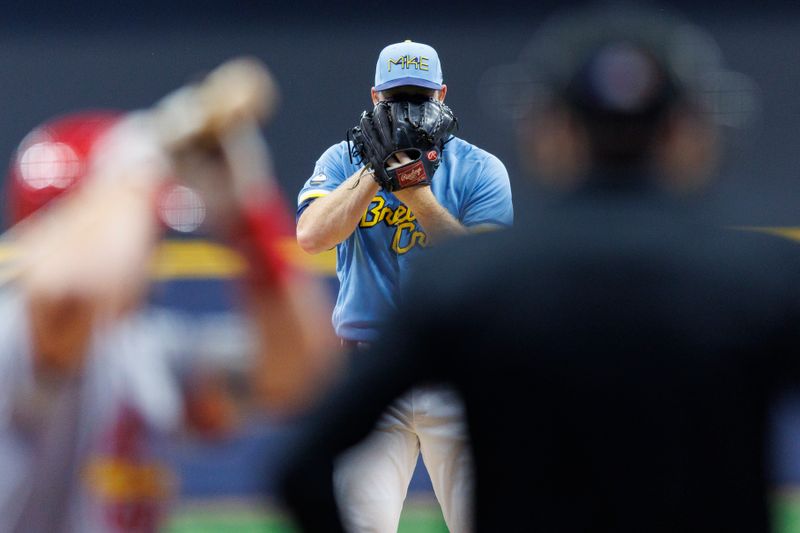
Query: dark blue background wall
{"points": [[65, 56]]}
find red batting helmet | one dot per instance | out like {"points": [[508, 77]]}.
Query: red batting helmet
{"points": [[53, 158]]}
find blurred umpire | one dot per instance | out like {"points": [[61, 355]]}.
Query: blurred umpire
{"points": [[617, 349]]}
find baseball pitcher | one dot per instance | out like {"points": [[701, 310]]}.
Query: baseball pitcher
{"points": [[400, 183]]}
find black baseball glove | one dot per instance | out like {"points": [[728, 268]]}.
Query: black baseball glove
{"points": [[417, 128]]}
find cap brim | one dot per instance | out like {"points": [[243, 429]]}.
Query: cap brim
{"points": [[416, 82]]}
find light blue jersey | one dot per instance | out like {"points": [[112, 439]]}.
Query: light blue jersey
{"points": [[373, 262]]}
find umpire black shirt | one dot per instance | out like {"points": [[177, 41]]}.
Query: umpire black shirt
{"points": [[616, 353]]}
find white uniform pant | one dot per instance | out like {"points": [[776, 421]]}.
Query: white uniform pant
{"points": [[371, 480]]}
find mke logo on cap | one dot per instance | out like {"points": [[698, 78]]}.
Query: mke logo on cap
{"points": [[408, 62]]}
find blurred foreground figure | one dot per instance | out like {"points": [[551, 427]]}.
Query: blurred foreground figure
{"points": [[617, 350], [88, 379]]}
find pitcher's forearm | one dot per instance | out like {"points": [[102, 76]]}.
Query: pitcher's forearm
{"points": [[437, 221], [332, 218]]}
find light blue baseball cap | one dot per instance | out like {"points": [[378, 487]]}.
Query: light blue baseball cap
{"points": [[408, 63]]}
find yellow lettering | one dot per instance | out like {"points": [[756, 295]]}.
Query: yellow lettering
{"points": [[423, 63], [397, 244], [400, 61], [122, 480], [375, 209], [386, 214], [406, 235], [413, 62]]}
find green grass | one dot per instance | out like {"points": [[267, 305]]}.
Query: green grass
{"points": [[421, 516], [418, 517], [786, 511]]}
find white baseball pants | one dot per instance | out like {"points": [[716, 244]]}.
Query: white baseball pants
{"points": [[371, 480]]}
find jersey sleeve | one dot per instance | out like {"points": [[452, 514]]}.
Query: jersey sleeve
{"points": [[329, 172], [488, 203]]}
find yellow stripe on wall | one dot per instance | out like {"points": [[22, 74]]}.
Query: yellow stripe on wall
{"points": [[322, 264], [792, 233], [205, 259], [201, 258], [195, 259]]}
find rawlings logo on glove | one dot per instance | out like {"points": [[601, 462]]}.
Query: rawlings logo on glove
{"points": [[401, 141]]}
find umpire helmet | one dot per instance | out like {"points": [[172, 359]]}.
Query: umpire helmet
{"points": [[621, 70]]}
